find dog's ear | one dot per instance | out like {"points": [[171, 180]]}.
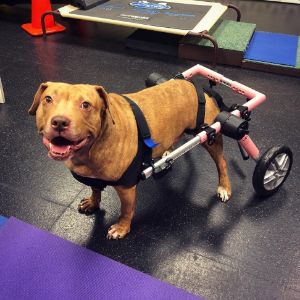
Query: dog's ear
{"points": [[37, 98], [103, 95]]}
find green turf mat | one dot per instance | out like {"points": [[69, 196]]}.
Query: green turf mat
{"points": [[230, 35]]}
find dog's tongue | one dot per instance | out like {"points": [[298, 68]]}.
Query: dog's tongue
{"points": [[60, 149]]}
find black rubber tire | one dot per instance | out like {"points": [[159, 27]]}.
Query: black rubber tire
{"points": [[263, 165]]}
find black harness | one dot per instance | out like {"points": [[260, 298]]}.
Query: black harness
{"points": [[143, 158], [200, 116]]}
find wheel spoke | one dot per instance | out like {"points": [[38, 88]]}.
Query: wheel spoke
{"points": [[280, 174], [269, 177], [281, 161], [273, 166], [276, 163], [277, 171]]}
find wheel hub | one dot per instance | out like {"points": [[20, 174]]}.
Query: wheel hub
{"points": [[277, 171]]}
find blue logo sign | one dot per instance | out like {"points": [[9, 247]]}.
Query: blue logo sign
{"points": [[150, 5]]}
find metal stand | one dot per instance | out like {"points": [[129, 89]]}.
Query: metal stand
{"points": [[44, 29], [238, 12], [205, 35]]}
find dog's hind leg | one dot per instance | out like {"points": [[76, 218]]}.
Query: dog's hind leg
{"points": [[91, 204], [216, 152], [128, 200]]}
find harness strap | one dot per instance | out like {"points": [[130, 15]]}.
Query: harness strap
{"points": [[141, 123], [201, 112], [142, 159], [201, 109], [219, 99], [200, 116]]}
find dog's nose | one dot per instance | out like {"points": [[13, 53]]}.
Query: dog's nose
{"points": [[60, 123]]}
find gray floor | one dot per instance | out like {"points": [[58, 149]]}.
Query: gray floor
{"points": [[246, 249]]}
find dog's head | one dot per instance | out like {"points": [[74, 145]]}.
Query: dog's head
{"points": [[69, 117]]}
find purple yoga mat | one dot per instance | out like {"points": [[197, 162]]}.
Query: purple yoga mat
{"points": [[38, 265]]}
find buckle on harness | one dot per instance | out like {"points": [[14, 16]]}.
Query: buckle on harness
{"points": [[150, 143], [210, 132]]}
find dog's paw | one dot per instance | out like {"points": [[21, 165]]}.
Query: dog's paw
{"points": [[166, 153], [87, 206], [117, 231], [223, 194]]}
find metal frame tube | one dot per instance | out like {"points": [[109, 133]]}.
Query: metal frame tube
{"points": [[248, 145], [200, 138]]}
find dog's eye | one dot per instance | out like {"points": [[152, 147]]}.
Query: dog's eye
{"points": [[85, 105], [48, 99]]}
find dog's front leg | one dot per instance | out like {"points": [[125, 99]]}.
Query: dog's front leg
{"points": [[91, 204], [128, 199]]}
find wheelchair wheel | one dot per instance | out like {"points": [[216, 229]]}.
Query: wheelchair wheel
{"points": [[272, 170]]}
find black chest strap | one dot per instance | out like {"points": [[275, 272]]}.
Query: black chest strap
{"points": [[141, 122], [142, 159], [146, 144], [201, 112]]}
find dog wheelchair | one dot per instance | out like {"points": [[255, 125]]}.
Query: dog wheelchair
{"points": [[272, 167]]}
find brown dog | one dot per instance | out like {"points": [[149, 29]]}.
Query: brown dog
{"points": [[96, 134]]}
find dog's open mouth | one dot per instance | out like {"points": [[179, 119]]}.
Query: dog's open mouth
{"points": [[61, 148]]}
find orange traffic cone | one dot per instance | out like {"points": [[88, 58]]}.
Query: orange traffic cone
{"points": [[38, 8]]}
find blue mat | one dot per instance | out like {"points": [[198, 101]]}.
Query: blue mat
{"points": [[38, 265], [275, 48], [2, 221]]}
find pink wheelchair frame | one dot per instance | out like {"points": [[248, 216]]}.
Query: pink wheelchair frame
{"points": [[272, 167]]}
